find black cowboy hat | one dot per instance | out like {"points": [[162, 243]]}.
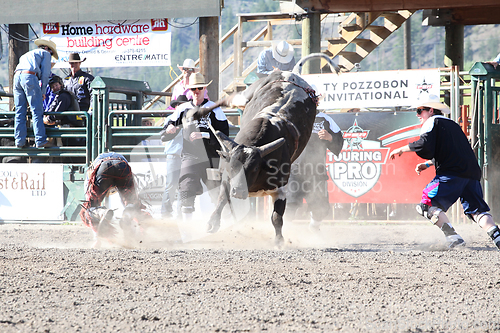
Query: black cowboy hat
{"points": [[75, 57], [180, 99]]}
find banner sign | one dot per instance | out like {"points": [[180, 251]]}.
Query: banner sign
{"points": [[112, 44], [31, 192], [374, 89], [363, 171]]}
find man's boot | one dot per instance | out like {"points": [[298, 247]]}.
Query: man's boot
{"points": [[494, 233], [452, 238]]}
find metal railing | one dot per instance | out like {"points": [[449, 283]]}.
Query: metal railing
{"points": [[143, 141], [52, 132]]}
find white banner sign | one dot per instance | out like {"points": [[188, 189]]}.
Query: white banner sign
{"points": [[374, 89], [112, 44], [31, 192]]}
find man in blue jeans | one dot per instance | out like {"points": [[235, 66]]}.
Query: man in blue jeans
{"points": [[173, 150], [33, 66]]}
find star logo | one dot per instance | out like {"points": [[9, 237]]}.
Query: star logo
{"points": [[424, 87], [354, 136]]}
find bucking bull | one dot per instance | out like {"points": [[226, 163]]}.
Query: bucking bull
{"points": [[278, 117]]}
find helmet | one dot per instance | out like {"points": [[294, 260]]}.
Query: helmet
{"points": [[55, 79]]}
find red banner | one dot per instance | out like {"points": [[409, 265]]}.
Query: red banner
{"points": [[363, 171]]}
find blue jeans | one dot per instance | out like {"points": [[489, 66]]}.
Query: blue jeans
{"points": [[171, 183], [27, 90]]}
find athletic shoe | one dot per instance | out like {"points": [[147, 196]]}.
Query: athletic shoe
{"points": [[314, 225], [454, 241]]}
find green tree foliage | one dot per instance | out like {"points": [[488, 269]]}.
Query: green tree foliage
{"points": [[263, 6], [468, 53], [481, 44], [228, 19]]}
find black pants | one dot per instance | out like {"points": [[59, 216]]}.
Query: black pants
{"points": [[193, 172], [312, 188]]}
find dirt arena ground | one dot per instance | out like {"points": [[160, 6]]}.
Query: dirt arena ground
{"points": [[350, 277]]}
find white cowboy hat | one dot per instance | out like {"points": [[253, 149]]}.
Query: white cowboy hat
{"points": [[197, 80], [432, 101], [50, 44], [188, 64], [282, 52]]}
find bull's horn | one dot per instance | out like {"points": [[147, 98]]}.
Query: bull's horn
{"points": [[270, 147], [226, 141]]}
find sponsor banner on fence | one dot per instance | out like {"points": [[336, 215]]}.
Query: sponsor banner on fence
{"points": [[374, 89], [112, 44], [363, 172], [32, 192]]}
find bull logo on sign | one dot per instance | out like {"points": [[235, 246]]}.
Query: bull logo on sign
{"points": [[358, 166]]}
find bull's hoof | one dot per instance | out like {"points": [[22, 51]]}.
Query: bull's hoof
{"points": [[213, 226]]}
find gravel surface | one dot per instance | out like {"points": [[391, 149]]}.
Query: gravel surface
{"points": [[350, 277]]}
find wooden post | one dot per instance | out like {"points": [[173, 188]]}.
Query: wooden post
{"points": [[16, 49], [238, 52], [464, 111], [209, 53], [454, 46], [311, 42], [407, 43]]}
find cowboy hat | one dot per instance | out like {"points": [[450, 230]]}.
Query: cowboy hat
{"points": [[188, 64], [75, 57], [50, 44], [282, 52], [180, 99], [197, 81], [432, 101]]}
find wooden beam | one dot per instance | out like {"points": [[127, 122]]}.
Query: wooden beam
{"points": [[17, 48], [311, 38], [209, 53], [476, 15], [343, 6]]}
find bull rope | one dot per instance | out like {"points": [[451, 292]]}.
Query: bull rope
{"points": [[309, 91]]}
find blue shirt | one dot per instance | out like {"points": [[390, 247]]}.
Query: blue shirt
{"points": [[49, 96], [266, 62], [37, 61], [174, 146]]}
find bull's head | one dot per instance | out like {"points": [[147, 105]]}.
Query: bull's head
{"points": [[244, 164]]}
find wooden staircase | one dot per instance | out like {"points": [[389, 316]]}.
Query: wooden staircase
{"points": [[366, 31], [360, 34]]}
